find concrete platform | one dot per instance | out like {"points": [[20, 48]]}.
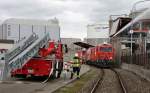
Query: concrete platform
{"points": [[139, 70], [49, 87]]}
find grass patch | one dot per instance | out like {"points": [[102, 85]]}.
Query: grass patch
{"points": [[78, 84]]}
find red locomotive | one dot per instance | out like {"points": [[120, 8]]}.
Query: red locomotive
{"points": [[49, 62], [102, 55]]}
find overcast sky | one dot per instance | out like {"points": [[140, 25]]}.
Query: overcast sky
{"points": [[74, 15]]}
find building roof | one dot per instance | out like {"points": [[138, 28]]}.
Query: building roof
{"points": [[83, 45], [117, 24], [143, 16], [31, 21]]}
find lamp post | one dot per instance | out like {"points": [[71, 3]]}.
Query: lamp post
{"points": [[134, 7], [131, 32]]}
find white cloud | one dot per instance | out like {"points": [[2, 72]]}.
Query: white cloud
{"points": [[73, 15]]}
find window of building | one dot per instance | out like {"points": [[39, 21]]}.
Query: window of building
{"points": [[9, 29], [136, 26], [146, 25]]}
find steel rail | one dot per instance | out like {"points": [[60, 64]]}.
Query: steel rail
{"points": [[98, 81], [124, 90]]}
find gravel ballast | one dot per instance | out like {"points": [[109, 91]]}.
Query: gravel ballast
{"points": [[134, 83], [110, 83]]}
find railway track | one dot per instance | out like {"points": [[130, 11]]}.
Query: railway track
{"points": [[124, 90], [99, 81], [102, 77]]}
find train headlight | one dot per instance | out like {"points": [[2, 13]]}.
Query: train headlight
{"points": [[110, 58]]}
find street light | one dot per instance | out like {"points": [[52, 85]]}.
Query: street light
{"points": [[131, 32], [132, 12], [134, 7]]}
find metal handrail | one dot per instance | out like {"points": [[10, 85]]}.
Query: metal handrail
{"points": [[28, 53], [22, 53], [20, 47]]}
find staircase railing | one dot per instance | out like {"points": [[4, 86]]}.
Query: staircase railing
{"points": [[23, 52]]}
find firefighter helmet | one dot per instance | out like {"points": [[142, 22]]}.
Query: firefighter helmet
{"points": [[76, 55]]}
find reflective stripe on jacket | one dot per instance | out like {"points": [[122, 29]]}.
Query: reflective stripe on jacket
{"points": [[76, 63]]}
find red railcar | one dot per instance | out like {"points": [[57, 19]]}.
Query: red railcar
{"points": [[101, 55], [82, 55]]}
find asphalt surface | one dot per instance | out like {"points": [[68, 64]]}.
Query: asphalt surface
{"points": [[35, 86], [19, 87], [51, 87]]}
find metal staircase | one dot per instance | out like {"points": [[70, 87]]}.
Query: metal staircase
{"points": [[23, 52], [20, 47]]}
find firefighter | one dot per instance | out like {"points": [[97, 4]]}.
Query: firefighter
{"points": [[76, 66]]}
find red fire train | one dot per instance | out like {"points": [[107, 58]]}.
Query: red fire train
{"points": [[49, 62], [102, 55]]}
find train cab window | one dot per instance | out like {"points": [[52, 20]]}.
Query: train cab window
{"points": [[106, 49]]}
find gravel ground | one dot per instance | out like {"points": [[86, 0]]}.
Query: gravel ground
{"points": [[110, 83], [134, 83]]}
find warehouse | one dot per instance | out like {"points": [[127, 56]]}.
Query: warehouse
{"points": [[18, 29], [97, 33]]}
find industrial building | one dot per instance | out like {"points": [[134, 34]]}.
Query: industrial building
{"points": [[18, 29], [97, 33], [6, 45], [70, 41]]}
